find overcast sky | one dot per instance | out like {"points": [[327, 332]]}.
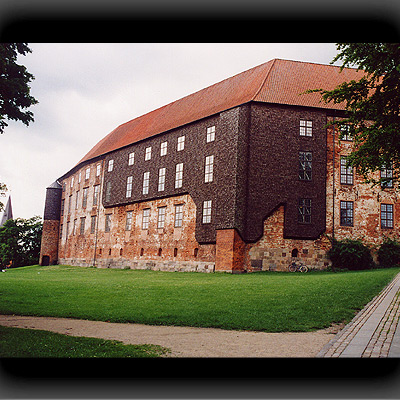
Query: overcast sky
{"points": [[87, 90]]}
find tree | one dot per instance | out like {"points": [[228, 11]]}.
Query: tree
{"points": [[372, 105], [20, 241], [14, 85], [3, 190]]}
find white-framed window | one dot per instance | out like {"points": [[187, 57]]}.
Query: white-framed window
{"points": [[128, 225], [129, 186], [146, 180], [178, 175], [131, 159], [107, 227], [82, 227], [84, 197], [76, 200], [209, 169], [146, 218], [110, 165], [147, 155], [161, 179], [161, 217], [80, 177], [181, 143], [96, 192], [178, 215], [210, 134], [386, 174], [98, 168], [207, 211], [345, 133], [87, 173], [164, 148], [72, 181], [305, 128]]}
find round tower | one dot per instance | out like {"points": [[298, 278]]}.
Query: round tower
{"points": [[51, 225]]}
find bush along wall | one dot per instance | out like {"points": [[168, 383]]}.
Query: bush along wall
{"points": [[389, 253], [350, 254]]}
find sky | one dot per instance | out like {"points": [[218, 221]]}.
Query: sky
{"points": [[85, 90]]}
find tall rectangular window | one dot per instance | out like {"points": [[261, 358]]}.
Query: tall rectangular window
{"points": [[107, 227], [210, 134], [129, 186], [128, 225], [93, 223], [161, 179], [98, 169], [178, 215], [131, 159], [305, 128], [74, 228], [387, 216], [147, 155], [69, 203], [72, 181], [386, 175], [305, 165], [178, 175], [181, 143], [161, 217], [87, 173], [110, 165], [80, 177], [82, 227], [209, 169], [164, 147], [62, 206], [146, 218], [77, 200], [346, 213], [346, 173], [207, 211], [345, 133], [304, 211], [96, 191], [146, 180], [84, 197], [108, 191]]}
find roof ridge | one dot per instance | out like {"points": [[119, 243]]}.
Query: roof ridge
{"points": [[264, 80]]}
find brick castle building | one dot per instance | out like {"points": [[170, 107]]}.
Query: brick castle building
{"points": [[239, 176]]}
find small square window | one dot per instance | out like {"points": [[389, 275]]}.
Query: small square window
{"points": [[305, 128], [387, 216]]}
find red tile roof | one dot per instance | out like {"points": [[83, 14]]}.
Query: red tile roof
{"points": [[276, 81]]}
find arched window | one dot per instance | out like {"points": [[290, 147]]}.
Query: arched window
{"points": [[195, 252], [141, 251], [175, 252], [295, 253]]}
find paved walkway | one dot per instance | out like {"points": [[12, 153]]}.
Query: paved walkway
{"points": [[374, 331]]}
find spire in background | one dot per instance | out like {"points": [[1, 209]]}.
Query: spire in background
{"points": [[8, 214]]}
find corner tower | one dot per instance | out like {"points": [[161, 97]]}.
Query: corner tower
{"points": [[51, 225]]}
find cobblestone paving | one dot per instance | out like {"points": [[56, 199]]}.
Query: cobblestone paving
{"points": [[371, 331]]}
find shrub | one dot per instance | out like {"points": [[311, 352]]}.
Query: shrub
{"points": [[350, 254], [389, 253]]}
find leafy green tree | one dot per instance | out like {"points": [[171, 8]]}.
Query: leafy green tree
{"points": [[20, 241], [3, 190], [15, 95], [373, 106]]}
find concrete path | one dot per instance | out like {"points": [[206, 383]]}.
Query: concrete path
{"points": [[374, 331]]}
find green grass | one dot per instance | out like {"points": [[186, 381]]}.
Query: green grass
{"points": [[16, 342], [270, 302]]}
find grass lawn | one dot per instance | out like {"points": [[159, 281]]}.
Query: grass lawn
{"points": [[270, 301], [15, 342]]}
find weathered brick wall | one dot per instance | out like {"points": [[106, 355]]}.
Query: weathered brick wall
{"points": [[367, 200], [274, 252], [49, 245], [170, 248]]}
